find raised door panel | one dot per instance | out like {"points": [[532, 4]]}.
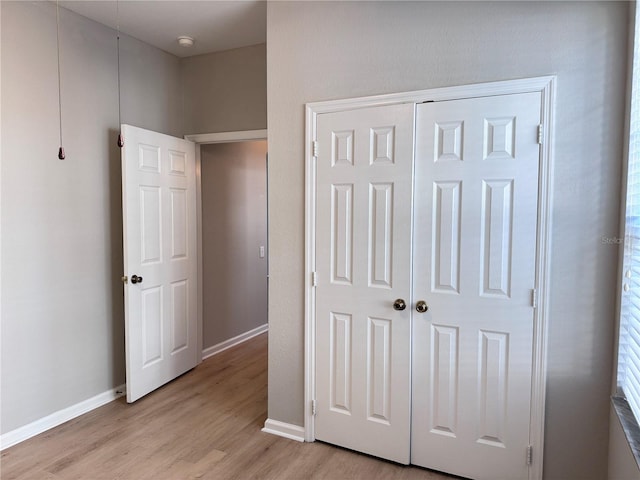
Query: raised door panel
{"points": [[178, 163], [179, 316], [152, 320], [496, 237], [149, 158], [448, 141], [379, 370], [443, 380], [151, 224], [342, 234], [341, 355], [382, 145], [380, 234], [179, 227], [446, 236], [493, 386]]}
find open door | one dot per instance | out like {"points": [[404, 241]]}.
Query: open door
{"points": [[160, 258]]}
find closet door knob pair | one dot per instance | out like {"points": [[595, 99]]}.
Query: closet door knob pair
{"points": [[400, 304]]}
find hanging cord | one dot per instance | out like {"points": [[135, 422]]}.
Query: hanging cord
{"points": [[120, 139], [61, 154]]}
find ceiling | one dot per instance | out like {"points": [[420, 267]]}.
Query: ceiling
{"points": [[215, 25]]}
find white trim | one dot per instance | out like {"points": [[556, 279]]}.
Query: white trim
{"points": [[226, 137], [232, 342], [43, 424], [199, 293], [546, 86], [543, 267], [507, 87], [282, 429], [1, 210], [309, 267]]}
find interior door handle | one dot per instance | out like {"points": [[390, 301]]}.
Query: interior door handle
{"points": [[421, 306], [136, 279], [399, 304]]}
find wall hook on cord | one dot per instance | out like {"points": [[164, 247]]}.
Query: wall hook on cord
{"points": [[61, 154], [120, 139]]}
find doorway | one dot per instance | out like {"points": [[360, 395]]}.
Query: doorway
{"points": [[233, 186], [163, 225]]}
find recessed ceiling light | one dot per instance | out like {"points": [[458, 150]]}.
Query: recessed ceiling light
{"points": [[186, 42]]}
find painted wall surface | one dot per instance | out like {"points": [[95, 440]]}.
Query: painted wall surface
{"points": [[226, 91], [361, 48], [622, 463], [234, 227], [62, 298]]}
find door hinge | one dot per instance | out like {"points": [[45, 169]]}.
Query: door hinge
{"points": [[540, 134], [314, 279], [529, 455], [534, 298], [313, 408], [315, 148]]}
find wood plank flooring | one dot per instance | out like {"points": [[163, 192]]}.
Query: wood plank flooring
{"points": [[204, 425]]}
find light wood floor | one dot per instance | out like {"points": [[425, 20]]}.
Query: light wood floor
{"points": [[206, 424]]}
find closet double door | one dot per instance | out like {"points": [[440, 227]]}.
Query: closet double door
{"points": [[426, 220]]}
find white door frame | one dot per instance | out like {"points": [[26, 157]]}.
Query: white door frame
{"points": [[546, 86], [203, 139]]}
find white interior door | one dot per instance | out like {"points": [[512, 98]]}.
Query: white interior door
{"points": [[363, 259], [160, 259], [476, 177]]}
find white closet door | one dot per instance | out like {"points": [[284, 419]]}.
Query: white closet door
{"points": [[160, 258], [363, 260], [476, 178]]}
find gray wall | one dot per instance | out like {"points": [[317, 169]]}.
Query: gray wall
{"points": [[226, 91], [234, 226], [622, 463], [357, 49], [62, 307]]}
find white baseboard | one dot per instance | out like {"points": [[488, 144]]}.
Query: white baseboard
{"points": [[41, 425], [286, 430], [232, 342]]}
